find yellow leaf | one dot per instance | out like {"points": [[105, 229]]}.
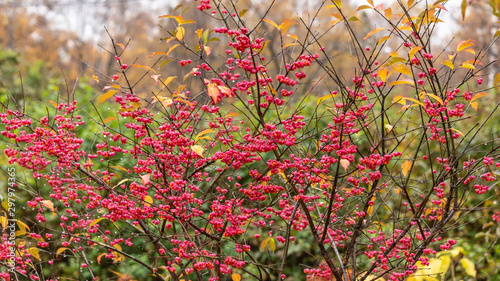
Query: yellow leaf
{"points": [[382, 73], [121, 46], [478, 95], [496, 81], [272, 244], [320, 100], [106, 96], [404, 69], [403, 82], [468, 65], [293, 36], [436, 98], [370, 2], [448, 63], [207, 131], [399, 99], [497, 33], [95, 78], [3, 221], [373, 32], [474, 105], [109, 119], [34, 252], [197, 149], [199, 32], [413, 51], [383, 39], [172, 48], [388, 127], [345, 164], [462, 134], [236, 277], [168, 80], [179, 33], [149, 200], [405, 167], [95, 221], [415, 101], [363, 7], [22, 225], [264, 243], [271, 22], [285, 25], [48, 204], [290, 44], [464, 44], [143, 66]]}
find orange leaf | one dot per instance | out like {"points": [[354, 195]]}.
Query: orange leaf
{"points": [[271, 22], [109, 119], [236, 277], [106, 96], [405, 167], [213, 91], [157, 53], [478, 95], [373, 32], [143, 66]]}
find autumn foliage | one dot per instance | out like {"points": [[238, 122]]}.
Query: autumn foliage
{"points": [[222, 170]]}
